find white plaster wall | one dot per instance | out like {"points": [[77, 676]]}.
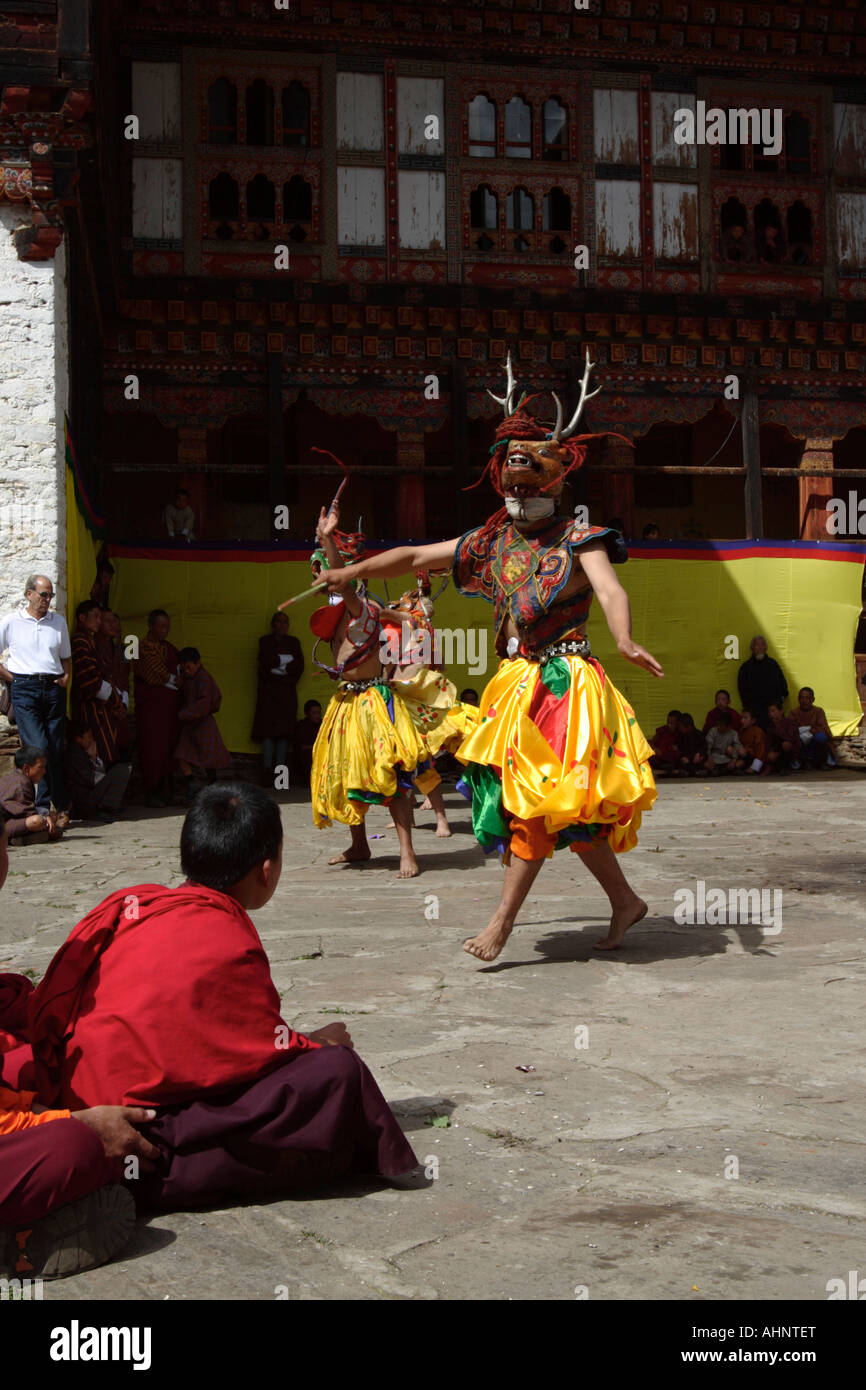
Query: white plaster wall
{"points": [[34, 391]]}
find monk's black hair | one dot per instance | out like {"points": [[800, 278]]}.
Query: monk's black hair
{"points": [[27, 756], [229, 829], [189, 654]]}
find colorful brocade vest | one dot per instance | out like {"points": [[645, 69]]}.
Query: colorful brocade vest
{"points": [[523, 575]]}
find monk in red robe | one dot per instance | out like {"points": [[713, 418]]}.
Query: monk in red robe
{"points": [[157, 684], [62, 1208], [163, 998]]}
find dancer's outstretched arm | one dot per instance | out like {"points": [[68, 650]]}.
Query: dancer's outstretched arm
{"points": [[401, 560], [614, 601]]}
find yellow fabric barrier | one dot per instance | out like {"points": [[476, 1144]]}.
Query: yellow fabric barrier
{"points": [[81, 551], [687, 611]]}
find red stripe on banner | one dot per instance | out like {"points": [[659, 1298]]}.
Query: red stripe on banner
{"points": [[761, 552], [810, 550]]}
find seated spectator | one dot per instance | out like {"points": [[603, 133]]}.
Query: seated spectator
{"points": [[306, 731], [753, 742], [722, 706], [469, 696], [96, 791], [24, 824], [180, 518], [691, 747], [723, 746], [783, 741], [200, 744], [63, 1208], [246, 1106], [666, 757], [818, 746], [651, 532]]}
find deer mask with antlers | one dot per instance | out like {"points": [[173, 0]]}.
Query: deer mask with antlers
{"points": [[529, 462]]}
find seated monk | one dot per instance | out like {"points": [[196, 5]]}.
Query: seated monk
{"points": [[62, 1208], [163, 997]]}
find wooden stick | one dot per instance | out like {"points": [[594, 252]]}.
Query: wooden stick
{"points": [[287, 603]]}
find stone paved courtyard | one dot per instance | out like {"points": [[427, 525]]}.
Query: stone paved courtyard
{"points": [[603, 1167]]}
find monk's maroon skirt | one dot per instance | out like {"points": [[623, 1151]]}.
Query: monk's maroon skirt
{"points": [[318, 1117]]}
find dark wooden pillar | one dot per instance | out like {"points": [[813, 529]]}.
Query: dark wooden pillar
{"points": [[461, 462], [814, 490], [276, 442], [618, 487], [749, 423], [410, 485]]}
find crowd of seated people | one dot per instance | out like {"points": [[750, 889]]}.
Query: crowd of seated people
{"points": [[731, 742]]}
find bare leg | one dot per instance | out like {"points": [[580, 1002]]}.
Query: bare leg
{"points": [[401, 814], [437, 804], [358, 851], [520, 874], [626, 907]]}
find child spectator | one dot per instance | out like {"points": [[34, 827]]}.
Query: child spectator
{"points": [[722, 705], [691, 747], [96, 793], [666, 757], [200, 744], [815, 736], [469, 696], [783, 741], [24, 824], [180, 518], [723, 746], [753, 741], [306, 731]]}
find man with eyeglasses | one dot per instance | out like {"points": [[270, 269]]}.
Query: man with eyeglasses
{"points": [[37, 671]]}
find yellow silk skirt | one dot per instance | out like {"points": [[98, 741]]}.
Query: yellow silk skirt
{"points": [[557, 742], [436, 712], [367, 750]]}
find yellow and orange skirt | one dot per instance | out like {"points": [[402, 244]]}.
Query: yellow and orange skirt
{"points": [[557, 759], [367, 750]]}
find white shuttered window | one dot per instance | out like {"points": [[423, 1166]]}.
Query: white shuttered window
{"points": [[360, 206], [422, 209], [156, 100], [157, 203], [419, 98], [360, 115]]}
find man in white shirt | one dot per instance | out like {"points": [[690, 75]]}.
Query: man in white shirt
{"points": [[37, 671]]}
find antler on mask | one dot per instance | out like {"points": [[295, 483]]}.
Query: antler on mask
{"points": [[559, 434]]}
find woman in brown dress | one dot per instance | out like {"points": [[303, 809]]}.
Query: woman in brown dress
{"points": [[281, 665]]}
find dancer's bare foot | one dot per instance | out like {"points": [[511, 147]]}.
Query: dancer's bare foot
{"points": [[488, 943], [408, 865], [351, 856], [621, 920], [443, 829], [426, 804]]}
